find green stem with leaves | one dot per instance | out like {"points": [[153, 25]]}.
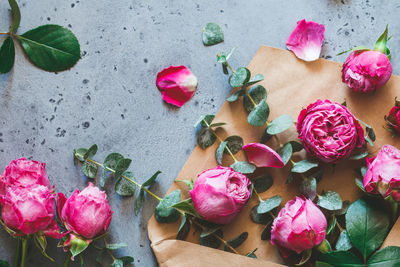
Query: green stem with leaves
{"points": [[109, 252], [260, 200], [24, 250]]}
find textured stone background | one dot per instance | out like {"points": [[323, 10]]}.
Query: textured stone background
{"points": [[110, 98]]}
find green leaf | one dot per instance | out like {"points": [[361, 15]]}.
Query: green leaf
{"points": [[252, 254], [367, 226], [297, 146], [381, 43], [261, 218], [363, 171], [152, 179], [280, 124], [306, 255], [110, 162], [266, 233], [139, 201], [239, 77], [343, 243], [359, 156], [212, 34], [237, 241], [259, 115], [79, 153], [330, 200], [303, 166], [286, 152], [269, 204], [360, 184], [235, 144], [265, 137], [370, 132], [127, 259], [243, 167], [89, 169], [187, 207], [257, 78], [124, 187], [219, 153], [41, 243], [322, 264], [205, 120], [7, 55], [331, 225], [235, 96], [341, 259], [210, 240], [225, 68], [189, 184], [116, 246], [263, 183], [16, 15], [344, 208], [51, 47], [386, 257], [217, 124], [78, 245], [117, 263], [257, 93], [184, 229], [91, 152], [206, 138], [357, 48], [308, 187], [4, 264], [122, 165], [164, 213]]}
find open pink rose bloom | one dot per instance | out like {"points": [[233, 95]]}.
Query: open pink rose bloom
{"points": [[263, 156], [177, 85], [220, 193], [383, 174], [329, 131], [299, 226], [306, 40]]}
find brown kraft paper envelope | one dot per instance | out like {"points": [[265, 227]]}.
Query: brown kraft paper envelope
{"points": [[291, 84]]}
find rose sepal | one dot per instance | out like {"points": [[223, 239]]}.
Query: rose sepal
{"points": [[381, 44], [74, 244], [41, 243]]}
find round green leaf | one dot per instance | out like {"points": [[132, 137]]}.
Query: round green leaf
{"points": [[112, 160], [212, 34], [239, 77], [234, 143], [117, 263], [235, 96], [308, 187], [297, 146], [123, 187], [164, 213], [286, 152], [343, 242], [206, 138], [266, 233], [263, 183], [260, 218], [219, 153], [89, 169], [51, 47], [243, 167], [257, 93], [330, 200], [386, 257], [209, 239], [280, 124], [237, 241], [303, 166], [253, 80], [367, 226], [184, 229], [7, 55], [152, 179], [259, 115], [139, 201], [205, 120], [269, 204], [341, 259]]}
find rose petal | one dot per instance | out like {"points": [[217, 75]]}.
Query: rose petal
{"points": [[263, 156], [306, 40], [177, 85]]}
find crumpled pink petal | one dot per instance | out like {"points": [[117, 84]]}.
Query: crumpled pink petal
{"points": [[177, 85], [306, 40], [263, 156]]}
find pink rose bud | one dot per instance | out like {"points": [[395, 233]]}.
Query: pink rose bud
{"points": [[219, 194], [299, 226], [329, 131], [383, 174], [24, 173], [263, 156], [366, 71], [306, 40], [27, 210], [177, 85], [85, 213], [393, 118]]}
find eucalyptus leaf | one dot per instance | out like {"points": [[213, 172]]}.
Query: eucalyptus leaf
{"points": [[259, 115], [234, 143], [211, 240], [286, 152], [269, 204], [112, 160], [359, 156], [253, 80], [217, 124], [51, 47], [296, 146], [343, 242], [139, 201], [206, 138], [266, 233], [239, 77], [205, 120], [243, 167], [308, 187], [116, 246], [79, 153], [386, 257], [303, 166], [124, 187], [235, 96], [363, 170], [212, 34], [121, 167], [265, 137], [344, 208], [252, 254], [219, 153], [152, 179], [127, 259], [7, 55], [257, 93], [330, 200], [184, 229], [89, 169], [341, 259], [237, 241], [280, 124], [164, 212], [260, 218], [263, 183], [360, 184], [371, 133], [91, 152], [117, 263]]}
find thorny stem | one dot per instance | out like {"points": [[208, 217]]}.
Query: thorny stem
{"points": [[109, 252], [220, 140], [127, 178]]}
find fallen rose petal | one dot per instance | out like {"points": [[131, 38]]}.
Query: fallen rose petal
{"points": [[177, 85], [263, 156], [306, 40]]}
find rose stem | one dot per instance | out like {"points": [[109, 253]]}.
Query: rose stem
{"points": [[109, 252], [229, 66], [127, 178], [394, 206], [220, 140], [17, 253], [67, 259], [24, 250]]}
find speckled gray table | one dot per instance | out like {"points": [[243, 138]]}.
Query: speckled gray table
{"points": [[110, 98]]}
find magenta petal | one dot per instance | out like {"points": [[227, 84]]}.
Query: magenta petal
{"points": [[262, 156], [177, 85], [306, 40]]}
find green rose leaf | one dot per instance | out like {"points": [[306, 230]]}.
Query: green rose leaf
{"points": [[117, 263], [187, 207], [205, 120], [367, 226], [263, 183], [116, 246], [280, 124], [308, 187], [252, 254], [124, 187], [239, 77], [257, 93], [261, 218], [297, 146], [235, 96], [341, 259], [121, 167], [51, 47], [269, 204], [386, 257], [184, 229], [330, 200], [89, 169], [212, 34], [303, 166], [343, 242], [257, 78], [243, 167], [259, 115], [164, 212], [7, 55], [234, 143], [152, 179], [208, 238], [286, 152], [237, 241], [91, 152], [206, 138], [219, 153], [139, 201]]}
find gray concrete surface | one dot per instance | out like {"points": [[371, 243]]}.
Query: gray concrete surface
{"points": [[110, 98]]}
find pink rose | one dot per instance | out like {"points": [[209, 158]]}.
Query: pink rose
{"points": [[299, 226], [329, 131], [24, 173], [27, 210], [177, 85], [85, 213], [366, 71], [383, 174], [220, 193]]}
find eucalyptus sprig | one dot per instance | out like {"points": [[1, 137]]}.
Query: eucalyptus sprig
{"points": [[50, 47]]}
